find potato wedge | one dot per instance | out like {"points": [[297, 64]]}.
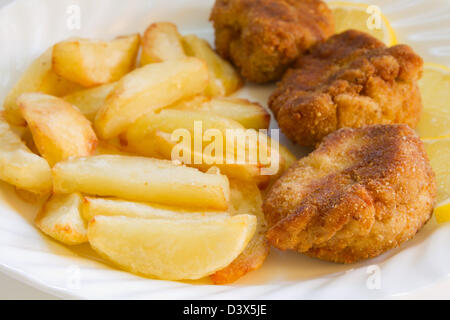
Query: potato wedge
{"points": [[161, 42], [287, 159], [38, 77], [233, 170], [60, 218], [139, 137], [111, 148], [171, 249], [31, 197], [89, 101], [246, 199], [148, 89], [92, 63], [21, 167], [93, 207], [142, 179], [251, 115], [59, 129], [224, 80]]}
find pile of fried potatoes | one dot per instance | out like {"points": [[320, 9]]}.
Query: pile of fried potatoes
{"points": [[88, 130]]}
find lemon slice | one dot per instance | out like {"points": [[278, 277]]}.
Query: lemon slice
{"points": [[439, 154], [363, 17], [442, 212], [435, 89]]}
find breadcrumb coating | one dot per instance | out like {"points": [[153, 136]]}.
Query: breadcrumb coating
{"points": [[264, 37], [360, 193], [350, 80]]}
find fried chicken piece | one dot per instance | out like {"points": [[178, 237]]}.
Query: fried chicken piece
{"points": [[350, 80], [264, 37], [362, 192]]}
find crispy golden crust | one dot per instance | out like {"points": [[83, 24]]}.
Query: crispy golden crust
{"points": [[350, 80], [362, 192], [263, 37]]}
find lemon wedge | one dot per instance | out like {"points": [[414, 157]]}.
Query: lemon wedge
{"points": [[438, 151], [363, 17], [442, 212], [435, 89]]}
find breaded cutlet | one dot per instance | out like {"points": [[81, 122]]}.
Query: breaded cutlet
{"points": [[360, 193], [350, 80], [263, 37]]}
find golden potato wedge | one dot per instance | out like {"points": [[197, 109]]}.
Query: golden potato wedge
{"points": [[142, 179], [93, 207], [148, 89], [60, 218], [246, 199], [89, 101], [31, 197], [139, 137], [59, 129], [224, 80], [233, 170], [92, 63], [171, 249], [39, 77], [161, 42], [287, 159], [21, 167], [250, 114], [27, 138], [112, 148]]}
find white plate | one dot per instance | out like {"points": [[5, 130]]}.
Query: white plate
{"points": [[28, 27]]}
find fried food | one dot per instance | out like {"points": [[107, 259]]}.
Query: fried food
{"points": [[19, 166], [91, 63], [142, 179], [60, 218], [362, 192], [350, 80], [171, 249], [263, 37], [49, 118]]}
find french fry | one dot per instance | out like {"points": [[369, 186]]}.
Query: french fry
{"points": [[161, 42], [39, 77], [59, 129], [246, 199], [31, 197], [171, 249], [148, 89], [92, 63], [89, 101], [233, 170], [139, 137], [224, 80], [93, 207], [287, 159], [142, 179], [60, 218], [111, 147], [19, 166], [251, 115], [151, 136]]}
